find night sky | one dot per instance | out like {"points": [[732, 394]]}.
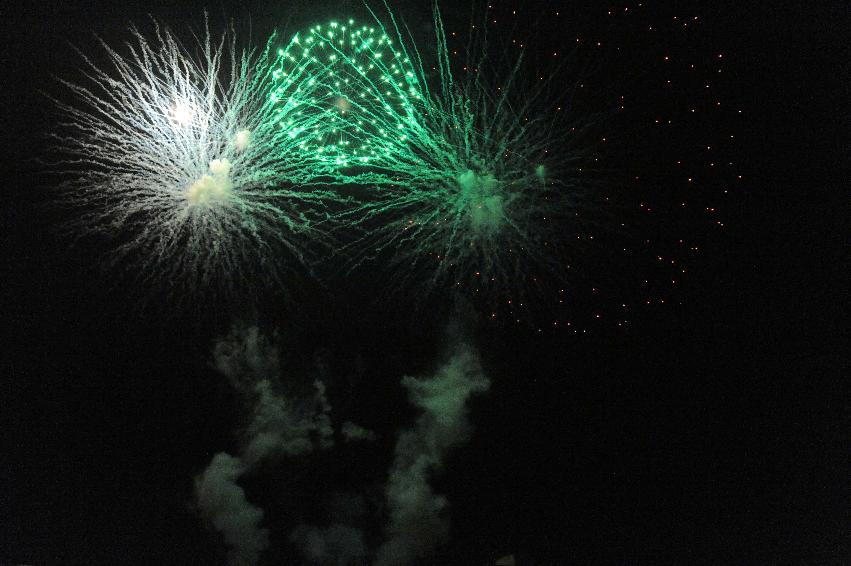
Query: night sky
{"points": [[707, 422]]}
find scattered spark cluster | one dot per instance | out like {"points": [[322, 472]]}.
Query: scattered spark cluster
{"points": [[667, 146]]}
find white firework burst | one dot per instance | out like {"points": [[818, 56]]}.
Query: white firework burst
{"points": [[179, 156]]}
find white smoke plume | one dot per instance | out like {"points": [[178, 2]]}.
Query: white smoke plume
{"points": [[279, 426], [418, 519], [286, 425], [225, 506]]}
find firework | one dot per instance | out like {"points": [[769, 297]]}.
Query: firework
{"points": [[181, 159], [466, 179]]}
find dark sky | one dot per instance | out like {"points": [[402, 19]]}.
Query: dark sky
{"points": [[714, 430]]}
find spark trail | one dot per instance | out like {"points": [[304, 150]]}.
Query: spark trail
{"points": [[181, 159]]}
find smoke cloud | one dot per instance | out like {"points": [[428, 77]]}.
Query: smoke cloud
{"points": [[280, 426], [418, 516], [224, 505]]}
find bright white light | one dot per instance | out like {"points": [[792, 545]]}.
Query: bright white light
{"points": [[213, 186], [182, 113], [242, 139]]}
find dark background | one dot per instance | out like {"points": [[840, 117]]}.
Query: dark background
{"points": [[714, 429]]}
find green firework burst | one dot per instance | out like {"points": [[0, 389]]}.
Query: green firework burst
{"points": [[465, 178]]}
